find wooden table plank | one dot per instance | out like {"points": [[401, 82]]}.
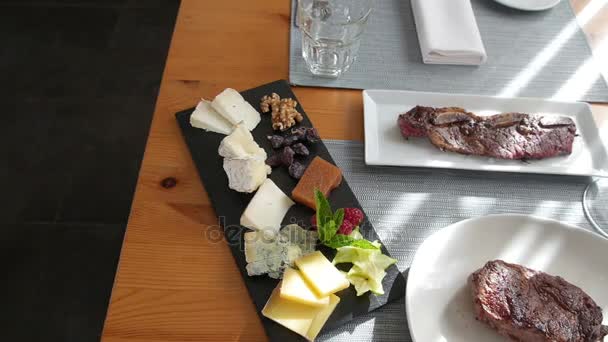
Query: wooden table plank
{"points": [[177, 280]]}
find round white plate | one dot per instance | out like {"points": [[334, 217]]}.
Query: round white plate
{"points": [[438, 300], [529, 5]]}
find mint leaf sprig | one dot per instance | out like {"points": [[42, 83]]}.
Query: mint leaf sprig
{"points": [[328, 224]]}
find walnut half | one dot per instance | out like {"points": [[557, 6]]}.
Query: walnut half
{"points": [[283, 111]]}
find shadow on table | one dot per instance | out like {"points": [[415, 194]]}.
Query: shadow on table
{"points": [[391, 320]]}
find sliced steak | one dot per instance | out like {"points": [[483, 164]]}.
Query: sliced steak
{"points": [[528, 305], [504, 136]]}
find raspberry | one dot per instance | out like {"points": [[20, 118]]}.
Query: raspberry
{"points": [[353, 215], [313, 222], [346, 228]]}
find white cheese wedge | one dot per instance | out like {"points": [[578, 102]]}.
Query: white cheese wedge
{"points": [[239, 144], [267, 208], [207, 118], [295, 288], [323, 277], [305, 320], [245, 175], [233, 107]]}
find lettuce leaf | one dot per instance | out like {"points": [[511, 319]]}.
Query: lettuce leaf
{"points": [[368, 277], [356, 234], [368, 268], [369, 264], [360, 283]]}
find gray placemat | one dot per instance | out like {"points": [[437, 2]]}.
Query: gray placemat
{"points": [[516, 43], [406, 205]]}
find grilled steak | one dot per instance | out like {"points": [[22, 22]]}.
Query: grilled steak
{"points": [[505, 136], [528, 305]]}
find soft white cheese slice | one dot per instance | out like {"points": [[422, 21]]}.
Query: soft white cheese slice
{"points": [[239, 144], [245, 175], [233, 107], [207, 118], [267, 208]]}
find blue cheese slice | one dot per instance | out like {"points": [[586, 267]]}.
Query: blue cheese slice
{"points": [[264, 254], [267, 208], [267, 252], [233, 107], [306, 240], [207, 118]]}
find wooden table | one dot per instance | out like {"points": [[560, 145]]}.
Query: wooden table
{"points": [[173, 282]]}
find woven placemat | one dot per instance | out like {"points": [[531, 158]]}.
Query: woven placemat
{"points": [[530, 54], [406, 205]]}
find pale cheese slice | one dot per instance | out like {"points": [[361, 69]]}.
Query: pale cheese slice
{"points": [[321, 318], [323, 277], [239, 144], [245, 175], [233, 107], [295, 288], [207, 118], [305, 320], [267, 208]]}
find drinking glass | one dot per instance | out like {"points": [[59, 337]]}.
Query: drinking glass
{"points": [[595, 205], [331, 33]]}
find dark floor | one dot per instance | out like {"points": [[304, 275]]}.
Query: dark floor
{"points": [[79, 84]]}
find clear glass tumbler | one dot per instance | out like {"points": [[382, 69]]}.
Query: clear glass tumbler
{"points": [[331, 33]]}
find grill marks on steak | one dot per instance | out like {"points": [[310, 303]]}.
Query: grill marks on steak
{"points": [[528, 305], [505, 136]]}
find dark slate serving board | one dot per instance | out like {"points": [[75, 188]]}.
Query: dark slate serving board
{"points": [[229, 205]]}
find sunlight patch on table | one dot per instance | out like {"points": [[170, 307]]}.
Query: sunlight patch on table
{"points": [[585, 76], [542, 58]]}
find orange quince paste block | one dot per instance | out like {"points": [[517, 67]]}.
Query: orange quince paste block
{"points": [[321, 175]]}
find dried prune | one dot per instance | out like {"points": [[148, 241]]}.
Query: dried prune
{"points": [[287, 156], [300, 149], [296, 170], [299, 132], [274, 160], [290, 140], [276, 140], [312, 136]]}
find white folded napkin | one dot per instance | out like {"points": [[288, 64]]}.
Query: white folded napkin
{"points": [[447, 32]]}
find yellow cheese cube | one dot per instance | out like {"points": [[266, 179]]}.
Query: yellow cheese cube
{"points": [[305, 320], [321, 274], [295, 288]]}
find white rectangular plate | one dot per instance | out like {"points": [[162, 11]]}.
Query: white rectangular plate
{"points": [[384, 144]]}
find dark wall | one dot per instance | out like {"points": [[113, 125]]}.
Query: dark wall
{"points": [[79, 84]]}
